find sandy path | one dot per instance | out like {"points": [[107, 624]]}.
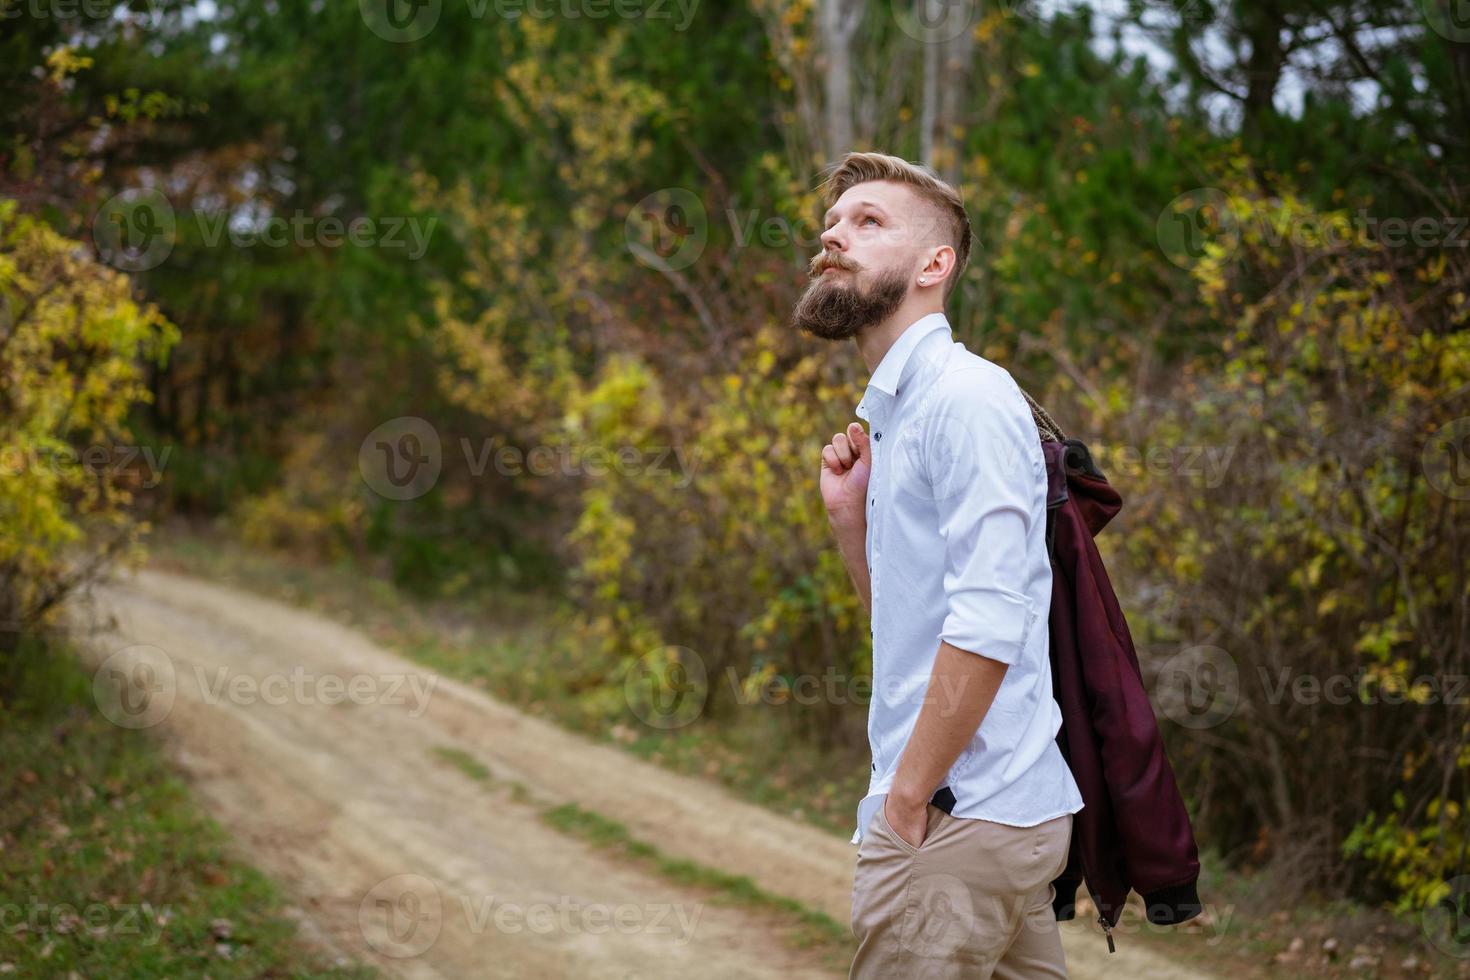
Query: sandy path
{"points": [[398, 859]]}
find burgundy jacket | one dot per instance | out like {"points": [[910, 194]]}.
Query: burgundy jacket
{"points": [[1133, 832]]}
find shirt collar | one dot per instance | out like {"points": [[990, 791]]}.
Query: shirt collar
{"points": [[890, 370]]}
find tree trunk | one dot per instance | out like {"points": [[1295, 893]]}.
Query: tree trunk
{"points": [[929, 114], [839, 22], [1263, 26]]}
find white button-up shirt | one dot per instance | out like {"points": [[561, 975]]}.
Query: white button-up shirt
{"points": [[956, 550]]}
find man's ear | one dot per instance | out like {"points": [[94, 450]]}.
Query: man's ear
{"points": [[939, 267]]}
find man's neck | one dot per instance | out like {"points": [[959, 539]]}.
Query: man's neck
{"points": [[875, 341]]}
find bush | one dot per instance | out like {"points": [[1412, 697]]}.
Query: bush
{"points": [[1305, 599], [71, 344]]}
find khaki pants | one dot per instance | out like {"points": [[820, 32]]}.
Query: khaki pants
{"points": [[973, 900]]}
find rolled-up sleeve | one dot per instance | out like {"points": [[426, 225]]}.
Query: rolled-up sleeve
{"points": [[984, 476]]}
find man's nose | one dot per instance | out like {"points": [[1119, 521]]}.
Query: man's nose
{"points": [[833, 240]]}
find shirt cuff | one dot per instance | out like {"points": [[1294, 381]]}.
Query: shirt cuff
{"points": [[995, 623]]}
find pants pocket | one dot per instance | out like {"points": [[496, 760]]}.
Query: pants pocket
{"points": [[881, 821]]}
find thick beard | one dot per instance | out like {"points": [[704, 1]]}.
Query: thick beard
{"points": [[838, 311]]}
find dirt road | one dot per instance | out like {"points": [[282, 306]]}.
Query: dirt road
{"points": [[396, 858]]}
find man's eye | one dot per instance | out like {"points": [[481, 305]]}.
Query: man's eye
{"points": [[870, 218]]}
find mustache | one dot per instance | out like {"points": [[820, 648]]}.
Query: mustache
{"points": [[823, 261]]}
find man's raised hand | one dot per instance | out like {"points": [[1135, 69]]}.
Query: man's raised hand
{"points": [[846, 463]]}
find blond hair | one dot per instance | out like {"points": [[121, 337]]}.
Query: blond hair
{"points": [[859, 168]]}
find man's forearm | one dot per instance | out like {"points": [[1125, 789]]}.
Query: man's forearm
{"points": [[961, 689], [852, 543]]}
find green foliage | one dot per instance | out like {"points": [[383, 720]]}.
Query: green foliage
{"points": [[73, 347], [1328, 548]]}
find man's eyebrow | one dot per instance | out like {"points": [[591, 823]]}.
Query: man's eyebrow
{"points": [[874, 205]]}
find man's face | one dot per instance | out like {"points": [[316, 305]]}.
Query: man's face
{"points": [[871, 252]]}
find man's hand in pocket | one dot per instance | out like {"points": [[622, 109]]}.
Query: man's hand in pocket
{"points": [[908, 822]]}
